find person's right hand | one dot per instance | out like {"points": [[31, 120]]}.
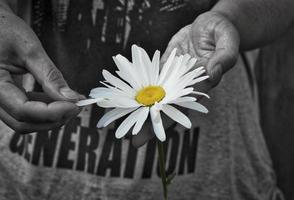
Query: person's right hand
{"points": [[22, 52]]}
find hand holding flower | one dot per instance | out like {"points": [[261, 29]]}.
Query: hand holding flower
{"points": [[213, 40]]}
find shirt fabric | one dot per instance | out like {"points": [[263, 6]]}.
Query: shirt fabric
{"points": [[223, 156], [275, 83]]}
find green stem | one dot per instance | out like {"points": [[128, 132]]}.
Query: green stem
{"points": [[161, 160]]}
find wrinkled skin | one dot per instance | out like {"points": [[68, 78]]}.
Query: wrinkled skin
{"points": [[22, 52]]}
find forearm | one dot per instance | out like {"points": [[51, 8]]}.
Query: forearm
{"points": [[258, 21]]}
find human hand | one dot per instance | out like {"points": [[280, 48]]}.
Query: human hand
{"points": [[214, 41], [22, 52]]}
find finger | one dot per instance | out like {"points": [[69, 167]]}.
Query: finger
{"points": [[24, 127], [183, 43], [51, 79], [15, 102], [39, 96], [226, 52]]}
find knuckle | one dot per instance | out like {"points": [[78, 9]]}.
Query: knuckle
{"points": [[34, 50], [54, 75]]}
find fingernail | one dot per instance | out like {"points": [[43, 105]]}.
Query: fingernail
{"points": [[69, 93]]}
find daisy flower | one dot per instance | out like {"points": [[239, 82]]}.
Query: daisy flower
{"points": [[143, 89]]}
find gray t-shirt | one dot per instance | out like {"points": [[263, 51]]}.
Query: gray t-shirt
{"points": [[222, 157]]}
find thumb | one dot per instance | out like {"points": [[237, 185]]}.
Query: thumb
{"points": [[225, 54], [51, 79], [221, 61]]}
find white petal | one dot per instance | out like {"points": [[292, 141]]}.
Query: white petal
{"points": [[186, 59], [174, 95], [104, 96], [122, 63], [141, 119], [184, 64], [139, 65], [173, 74], [191, 64], [117, 82], [117, 92], [156, 63], [86, 102], [125, 126], [185, 81], [194, 106], [127, 71], [107, 104], [157, 107], [167, 65], [199, 72], [201, 93], [157, 124], [118, 101], [127, 68], [171, 69], [183, 99], [147, 65], [103, 92], [177, 115], [197, 80], [180, 84], [200, 68], [113, 115], [126, 102], [130, 79], [185, 92]]}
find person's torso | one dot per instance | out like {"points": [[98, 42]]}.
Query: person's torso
{"points": [[223, 156]]}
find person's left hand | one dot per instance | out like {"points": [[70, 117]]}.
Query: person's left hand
{"points": [[214, 41]]}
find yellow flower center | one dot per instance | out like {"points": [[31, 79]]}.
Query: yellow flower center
{"points": [[149, 95]]}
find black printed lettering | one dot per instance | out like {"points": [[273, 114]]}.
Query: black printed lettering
{"points": [[172, 143], [67, 144], [17, 143], [88, 143], [149, 159], [112, 146], [189, 151], [131, 161], [45, 143]]}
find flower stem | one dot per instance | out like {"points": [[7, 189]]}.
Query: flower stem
{"points": [[161, 160]]}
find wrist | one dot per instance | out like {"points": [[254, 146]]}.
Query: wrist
{"points": [[247, 25], [258, 22]]}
